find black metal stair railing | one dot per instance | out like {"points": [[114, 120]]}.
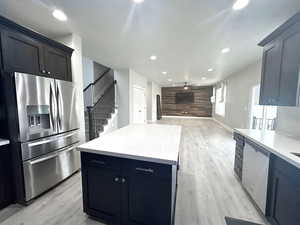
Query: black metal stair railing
{"points": [[97, 80], [99, 113]]}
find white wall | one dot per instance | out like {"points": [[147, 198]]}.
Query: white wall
{"points": [[88, 77], [238, 97], [288, 119], [238, 102], [88, 71], [74, 41], [122, 96], [127, 79]]}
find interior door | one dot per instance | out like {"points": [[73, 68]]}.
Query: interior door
{"points": [[158, 107], [36, 105], [66, 106], [139, 105]]}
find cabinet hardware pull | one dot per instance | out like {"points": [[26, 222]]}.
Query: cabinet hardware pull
{"points": [[43, 71], [49, 72], [98, 162], [145, 170], [123, 180], [116, 179]]}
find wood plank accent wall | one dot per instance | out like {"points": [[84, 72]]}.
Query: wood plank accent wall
{"points": [[202, 106]]}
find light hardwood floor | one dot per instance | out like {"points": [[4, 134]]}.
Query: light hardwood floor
{"points": [[207, 192]]}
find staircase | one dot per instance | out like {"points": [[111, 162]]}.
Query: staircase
{"points": [[97, 114]]}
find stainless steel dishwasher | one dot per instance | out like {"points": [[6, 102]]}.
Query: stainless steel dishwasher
{"points": [[255, 173]]}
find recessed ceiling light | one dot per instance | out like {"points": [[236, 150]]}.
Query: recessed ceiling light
{"points": [[169, 79], [203, 78], [138, 1], [210, 70], [225, 50], [60, 15], [153, 57], [240, 4], [164, 73]]}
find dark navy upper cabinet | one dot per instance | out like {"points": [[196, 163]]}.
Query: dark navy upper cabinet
{"points": [[290, 67], [284, 193], [21, 53], [58, 64], [270, 82], [26, 51], [281, 65]]}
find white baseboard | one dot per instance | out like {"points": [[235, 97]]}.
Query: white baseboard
{"points": [[223, 125], [188, 117]]}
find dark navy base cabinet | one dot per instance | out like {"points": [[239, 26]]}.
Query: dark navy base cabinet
{"points": [[128, 192], [6, 187], [284, 193]]}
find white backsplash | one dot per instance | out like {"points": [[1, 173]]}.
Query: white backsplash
{"points": [[289, 121]]}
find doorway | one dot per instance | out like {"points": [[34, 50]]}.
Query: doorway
{"points": [[139, 105], [262, 117], [158, 108]]}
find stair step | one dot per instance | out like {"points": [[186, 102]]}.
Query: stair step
{"points": [[101, 121]]}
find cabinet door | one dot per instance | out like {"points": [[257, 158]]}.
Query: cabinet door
{"points": [[6, 195], [102, 192], [146, 200], [21, 53], [270, 82], [285, 200], [289, 84], [58, 64]]}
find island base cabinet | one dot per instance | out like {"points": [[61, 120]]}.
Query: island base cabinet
{"points": [[102, 182], [127, 192], [284, 193], [146, 201]]}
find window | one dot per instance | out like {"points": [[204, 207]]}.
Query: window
{"points": [[262, 117], [221, 100]]}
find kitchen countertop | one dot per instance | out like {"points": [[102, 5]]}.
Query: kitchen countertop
{"points": [[276, 143], [4, 142], [147, 142]]}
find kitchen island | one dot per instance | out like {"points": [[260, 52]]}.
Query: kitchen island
{"points": [[129, 176]]}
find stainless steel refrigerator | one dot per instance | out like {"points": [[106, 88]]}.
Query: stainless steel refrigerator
{"points": [[48, 131]]}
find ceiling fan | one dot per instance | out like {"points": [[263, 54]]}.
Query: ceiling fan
{"points": [[185, 85]]}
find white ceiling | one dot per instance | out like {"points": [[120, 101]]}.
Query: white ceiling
{"points": [[186, 35]]}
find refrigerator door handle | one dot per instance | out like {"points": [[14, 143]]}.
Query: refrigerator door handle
{"points": [[51, 107], [58, 107], [43, 159]]}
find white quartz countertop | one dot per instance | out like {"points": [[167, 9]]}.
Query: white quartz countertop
{"points": [[4, 142], [276, 143], [147, 142]]}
